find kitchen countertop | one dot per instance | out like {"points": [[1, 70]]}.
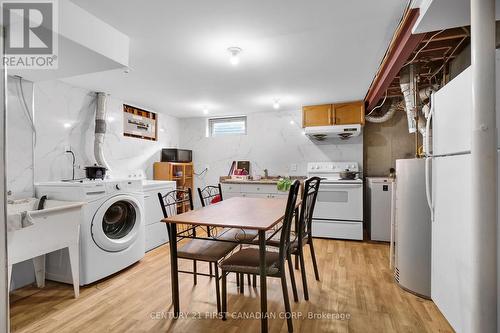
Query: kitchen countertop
{"points": [[268, 181]]}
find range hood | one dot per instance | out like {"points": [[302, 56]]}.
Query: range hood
{"points": [[343, 132]]}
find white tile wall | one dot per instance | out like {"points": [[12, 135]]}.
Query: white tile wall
{"points": [[274, 141], [19, 140], [57, 104]]}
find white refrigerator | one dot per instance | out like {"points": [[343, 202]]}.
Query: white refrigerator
{"points": [[452, 246]]}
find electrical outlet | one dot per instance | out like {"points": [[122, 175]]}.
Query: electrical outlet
{"points": [[293, 167]]}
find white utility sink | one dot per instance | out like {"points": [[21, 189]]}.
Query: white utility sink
{"points": [[32, 233]]}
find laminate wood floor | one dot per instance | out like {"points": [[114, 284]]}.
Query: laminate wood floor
{"points": [[356, 294]]}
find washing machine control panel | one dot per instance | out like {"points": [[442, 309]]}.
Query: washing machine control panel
{"points": [[119, 186]]}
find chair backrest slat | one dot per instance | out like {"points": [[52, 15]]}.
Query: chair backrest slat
{"points": [[208, 193], [171, 201], [309, 195], [287, 221], [174, 199]]}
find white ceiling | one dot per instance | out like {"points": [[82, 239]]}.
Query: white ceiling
{"points": [[301, 52]]}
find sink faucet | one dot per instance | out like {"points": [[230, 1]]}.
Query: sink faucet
{"points": [[266, 173]]}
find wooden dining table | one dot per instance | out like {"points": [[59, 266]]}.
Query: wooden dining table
{"points": [[261, 214]]}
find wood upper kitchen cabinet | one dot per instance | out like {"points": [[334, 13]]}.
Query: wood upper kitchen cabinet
{"points": [[334, 114], [349, 113], [317, 115]]}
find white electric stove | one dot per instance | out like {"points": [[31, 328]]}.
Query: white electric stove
{"points": [[338, 212]]}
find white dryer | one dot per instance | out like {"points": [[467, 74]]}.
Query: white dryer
{"points": [[112, 230], [155, 230]]}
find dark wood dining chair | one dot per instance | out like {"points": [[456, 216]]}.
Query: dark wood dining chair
{"points": [[212, 194], [247, 260], [303, 231], [211, 251], [303, 236]]}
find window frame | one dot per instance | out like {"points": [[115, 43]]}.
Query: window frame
{"points": [[211, 121]]}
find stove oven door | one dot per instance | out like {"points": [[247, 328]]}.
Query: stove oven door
{"points": [[339, 201]]}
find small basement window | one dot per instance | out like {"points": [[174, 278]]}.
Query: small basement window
{"points": [[227, 126]]}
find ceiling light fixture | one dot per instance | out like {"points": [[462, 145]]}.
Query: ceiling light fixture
{"points": [[67, 125], [276, 104], [205, 110], [235, 58]]}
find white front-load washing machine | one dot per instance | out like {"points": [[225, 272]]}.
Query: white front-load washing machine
{"points": [[112, 230]]}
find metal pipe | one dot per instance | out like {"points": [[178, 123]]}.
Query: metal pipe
{"points": [[4, 293], [406, 80], [413, 78], [484, 168]]}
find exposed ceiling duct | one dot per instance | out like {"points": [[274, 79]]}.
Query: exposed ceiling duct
{"points": [[407, 83], [396, 105], [100, 130]]}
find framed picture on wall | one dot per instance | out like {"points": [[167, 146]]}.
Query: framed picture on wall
{"points": [[139, 123]]}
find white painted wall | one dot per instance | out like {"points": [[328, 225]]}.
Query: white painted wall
{"points": [[272, 142]]}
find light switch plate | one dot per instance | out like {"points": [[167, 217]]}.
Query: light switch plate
{"points": [[293, 167]]}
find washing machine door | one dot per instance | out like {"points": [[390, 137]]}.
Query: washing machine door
{"points": [[116, 223]]}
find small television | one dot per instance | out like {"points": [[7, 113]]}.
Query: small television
{"points": [[176, 155]]}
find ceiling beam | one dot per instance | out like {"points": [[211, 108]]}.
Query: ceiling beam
{"points": [[403, 44]]}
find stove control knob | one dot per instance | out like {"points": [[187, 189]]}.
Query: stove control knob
{"points": [[117, 186]]}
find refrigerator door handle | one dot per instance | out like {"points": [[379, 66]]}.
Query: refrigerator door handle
{"points": [[428, 187], [428, 161]]}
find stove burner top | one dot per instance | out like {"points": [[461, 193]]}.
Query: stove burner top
{"points": [[329, 172]]}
